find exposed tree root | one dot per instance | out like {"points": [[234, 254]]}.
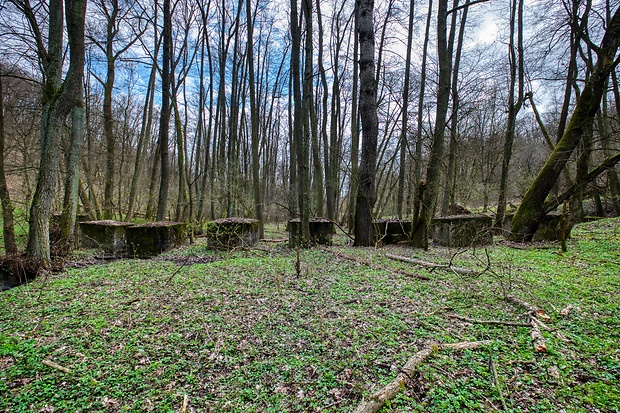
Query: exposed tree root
{"points": [[375, 402]]}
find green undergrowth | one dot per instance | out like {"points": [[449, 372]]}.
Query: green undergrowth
{"points": [[240, 332]]}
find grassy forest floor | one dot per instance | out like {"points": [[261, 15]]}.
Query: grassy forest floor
{"points": [[199, 330]]}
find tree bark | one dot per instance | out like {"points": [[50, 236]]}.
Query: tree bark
{"points": [[58, 101], [164, 117], [10, 247], [256, 185], [368, 113], [355, 137]]}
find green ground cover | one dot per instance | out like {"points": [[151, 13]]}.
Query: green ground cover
{"points": [[240, 332]]}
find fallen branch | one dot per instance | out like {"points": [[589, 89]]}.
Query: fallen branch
{"points": [[491, 322], [56, 366], [378, 400], [274, 240], [540, 345], [535, 313], [458, 270], [495, 382], [377, 267], [532, 310], [185, 402]]}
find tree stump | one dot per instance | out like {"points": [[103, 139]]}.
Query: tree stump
{"points": [[463, 230], [148, 240], [229, 233], [321, 230], [107, 234], [392, 231]]}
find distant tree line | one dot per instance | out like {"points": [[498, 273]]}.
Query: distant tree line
{"points": [[192, 110]]}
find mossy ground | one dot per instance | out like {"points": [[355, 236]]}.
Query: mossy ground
{"points": [[240, 332]]}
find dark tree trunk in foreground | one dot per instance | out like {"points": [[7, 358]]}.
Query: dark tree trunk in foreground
{"points": [[164, 119], [368, 114], [10, 247], [531, 210], [59, 98], [355, 138]]}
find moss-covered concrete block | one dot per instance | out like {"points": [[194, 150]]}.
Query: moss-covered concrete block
{"points": [[463, 230], [391, 231], [229, 233], [107, 234], [148, 240], [549, 229], [321, 231]]}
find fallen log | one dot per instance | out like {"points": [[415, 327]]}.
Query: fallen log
{"points": [[375, 402], [377, 267], [490, 322], [458, 270]]}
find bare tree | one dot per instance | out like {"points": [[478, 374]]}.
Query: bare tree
{"points": [[368, 113], [531, 210]]}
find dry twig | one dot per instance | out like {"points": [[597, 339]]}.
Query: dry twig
{"points": [[458, 270], [377, 267], [56, 366]]}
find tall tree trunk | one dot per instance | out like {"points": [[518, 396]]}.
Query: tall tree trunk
{"points": [[10, 247], [420, 231], [531, 210], [145, 131], [58, 101], [303, 148], [516, 69], [420, 117], [355, 137], [327, 155], [164, 117], [256, 185], [402, 167], [370, 125], [179, 214], [108, 116], [70, 202]]}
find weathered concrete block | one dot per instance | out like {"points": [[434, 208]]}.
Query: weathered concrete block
{"points": [[321, 231], [391, 231], [107, 234], [148, 240], [549, 229], [228, 233], [463, 230]]}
